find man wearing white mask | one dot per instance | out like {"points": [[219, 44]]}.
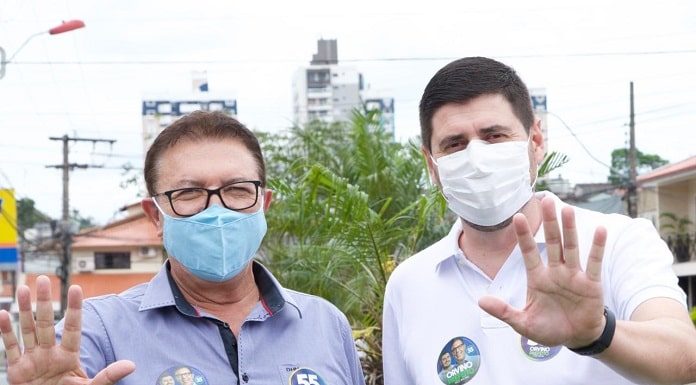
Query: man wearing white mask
{"points": [[595, 293], [212, 315]]}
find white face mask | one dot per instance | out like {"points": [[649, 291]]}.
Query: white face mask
{"points": [[485, 184]]}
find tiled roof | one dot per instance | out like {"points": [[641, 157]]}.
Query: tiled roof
{"points": [[133, 231], [686, 165], [93, 284]]}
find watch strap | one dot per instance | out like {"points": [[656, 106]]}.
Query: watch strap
{"points": [[604, 340]]}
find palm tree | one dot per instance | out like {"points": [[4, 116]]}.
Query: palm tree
{"points": [[350, 204]]}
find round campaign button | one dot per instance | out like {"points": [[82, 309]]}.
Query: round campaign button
{"points": [[305, 376], [458, 361], [182, 375], [536, 351]]}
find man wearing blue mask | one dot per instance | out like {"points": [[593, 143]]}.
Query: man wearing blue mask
{"points": [[588, 298], [211, 315]]}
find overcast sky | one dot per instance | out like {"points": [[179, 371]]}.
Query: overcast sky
{"points": [[90, 83]]}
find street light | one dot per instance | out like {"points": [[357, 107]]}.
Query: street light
{"points": [[66, 26]]}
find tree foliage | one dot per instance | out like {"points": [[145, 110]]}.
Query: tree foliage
{"points": [[552, 161], [619, 173], [28, 215], [350, 203]]}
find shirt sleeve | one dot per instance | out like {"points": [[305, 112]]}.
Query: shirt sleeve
{"points": [[641, 269], [95, 348], [354, 365], [395, 370]]}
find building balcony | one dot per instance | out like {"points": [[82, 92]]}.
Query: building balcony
{"points": [[319, 107]]}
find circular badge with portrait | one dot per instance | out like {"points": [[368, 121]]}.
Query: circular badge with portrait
{"points": [[182, 375], [536, 351], [305, 376], [458, 361]]}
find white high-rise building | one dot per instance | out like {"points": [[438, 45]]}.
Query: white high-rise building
{"points": [[385, 105], [538, 97], [325, 90], [160, 111]]}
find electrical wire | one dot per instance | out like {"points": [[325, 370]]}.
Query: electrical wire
{"points": [[582, 144], [354, 60]]}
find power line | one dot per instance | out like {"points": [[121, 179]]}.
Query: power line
{"points": [[355, 60], [581, 143]]}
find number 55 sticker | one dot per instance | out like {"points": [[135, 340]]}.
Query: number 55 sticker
{"points": [[306, 376]]}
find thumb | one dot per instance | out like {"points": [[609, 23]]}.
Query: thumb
{"points": [[503, 311], [113, 373]]}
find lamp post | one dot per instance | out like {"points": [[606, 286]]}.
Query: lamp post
{"points": [[66, 26]]}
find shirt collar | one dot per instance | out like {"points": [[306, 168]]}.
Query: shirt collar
{"points": [[162, 291], [448, 246], [273, 295]]}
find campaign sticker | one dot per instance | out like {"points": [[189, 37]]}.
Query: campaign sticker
{"points": [[458, 361], [182, 375], [538, 352], [305, 376]]}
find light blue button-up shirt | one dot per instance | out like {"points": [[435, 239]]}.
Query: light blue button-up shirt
{"points": [[286, 334]]}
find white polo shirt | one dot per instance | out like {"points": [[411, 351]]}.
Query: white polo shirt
{"points": [[431, 312]]}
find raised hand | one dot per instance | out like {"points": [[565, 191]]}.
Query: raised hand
{"points": [[43, 361], [564, 303]]}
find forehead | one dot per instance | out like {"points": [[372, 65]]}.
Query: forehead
{"points": [[468, 118], [206, 162]]}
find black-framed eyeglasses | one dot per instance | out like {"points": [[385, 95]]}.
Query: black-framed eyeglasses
{"points": [[189, 201]]}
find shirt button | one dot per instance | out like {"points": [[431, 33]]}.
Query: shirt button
{"points": [[245, 377]]}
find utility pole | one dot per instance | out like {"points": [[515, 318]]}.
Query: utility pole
{"points": [[632, 188], [63, 271]]}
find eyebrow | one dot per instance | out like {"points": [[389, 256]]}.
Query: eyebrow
{"points": [[494, 129], [185, 183]]}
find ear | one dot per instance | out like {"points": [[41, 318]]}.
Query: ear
{"points": [[537, 139], [153, 214], [267, 198], [432, 168]]}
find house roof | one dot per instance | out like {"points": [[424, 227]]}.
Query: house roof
{"points": [[668, 171], [93, 284], [132, 231]]}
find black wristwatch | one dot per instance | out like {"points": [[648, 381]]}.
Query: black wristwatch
{"points": [[604, 340]]}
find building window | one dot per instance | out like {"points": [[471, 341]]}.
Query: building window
{"points": [[120, 260]]}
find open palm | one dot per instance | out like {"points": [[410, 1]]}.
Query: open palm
{"points": [[43, 361], [564, 303]]}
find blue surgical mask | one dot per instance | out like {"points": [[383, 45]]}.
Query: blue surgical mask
{"points": [[216, 244]]}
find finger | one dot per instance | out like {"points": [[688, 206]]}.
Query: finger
{"points": [[26, 318], [594, 261], [570, 239], [113, 373], [552, 234], [45, 328], [8, 338], [528, 246], [503, 311], [72, 325]]}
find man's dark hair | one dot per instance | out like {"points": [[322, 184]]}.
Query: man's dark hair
{"points": [[465, 79], [199, 126]]}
